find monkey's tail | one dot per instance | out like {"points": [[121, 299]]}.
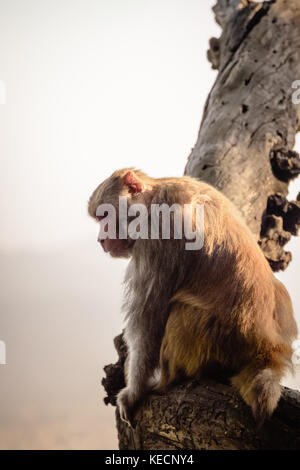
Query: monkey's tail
{"points": [[260, 389], [259, 381]]}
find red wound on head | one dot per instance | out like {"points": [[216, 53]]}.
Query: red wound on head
{"points": [[134, 184]]}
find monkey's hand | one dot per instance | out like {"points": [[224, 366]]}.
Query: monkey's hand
{"points": [[127, 401]]}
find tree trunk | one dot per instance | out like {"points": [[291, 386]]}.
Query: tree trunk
{"points": [[249, 122], [244, 148]]}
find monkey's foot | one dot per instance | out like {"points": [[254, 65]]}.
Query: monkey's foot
{"points": [[127, 402]]}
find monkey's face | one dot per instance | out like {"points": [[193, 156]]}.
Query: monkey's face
{"points": [[114, 245], [104, 206], [117, 248]]}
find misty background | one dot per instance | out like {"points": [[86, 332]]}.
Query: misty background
{"points": [[92, 86]]}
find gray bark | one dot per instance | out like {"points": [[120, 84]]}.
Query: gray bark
{"points": [[244, 148]]}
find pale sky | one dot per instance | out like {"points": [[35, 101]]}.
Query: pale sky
{"points": [[92, 86]]}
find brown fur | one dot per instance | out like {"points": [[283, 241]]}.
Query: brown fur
{"points": [[220, 305]]}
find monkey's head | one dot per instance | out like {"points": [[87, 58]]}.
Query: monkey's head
{"points": [[104, 206]]}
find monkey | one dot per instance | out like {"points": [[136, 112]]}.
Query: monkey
{"points": [[189, 312]]}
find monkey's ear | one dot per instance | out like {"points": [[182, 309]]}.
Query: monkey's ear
{"points": [[133, 183]]}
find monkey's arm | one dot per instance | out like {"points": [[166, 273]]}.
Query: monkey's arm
{"points": [[147, 306], [157, 270], [140, 365]]}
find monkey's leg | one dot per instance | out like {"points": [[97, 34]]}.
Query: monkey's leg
{"points": [[140, 364], [183, 351]]}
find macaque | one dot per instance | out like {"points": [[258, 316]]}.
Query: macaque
{"points": [[193, 311]]}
